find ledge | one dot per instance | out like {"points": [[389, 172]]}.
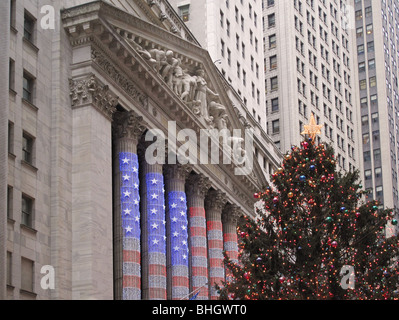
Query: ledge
{"points": [[29, 166], [31, 45], [10, 221], [11, 155], [28, 292], [29, 104], [29, 229], [13, 29]]}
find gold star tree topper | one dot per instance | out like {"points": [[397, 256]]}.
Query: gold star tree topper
{"points": [[312, 129]]}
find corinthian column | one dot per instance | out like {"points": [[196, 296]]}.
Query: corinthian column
{"points": [[177, 230], [230, 216], [214, 203], [196, 188], [127, 275], [153, 229]]}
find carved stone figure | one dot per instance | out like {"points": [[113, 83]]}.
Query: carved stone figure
{"points": [[201, 94], [160, 57], [168, 69]]}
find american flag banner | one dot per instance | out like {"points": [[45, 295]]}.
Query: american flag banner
{"points": [[130, 211], [215, 249], [198, 250], [156, 227], [178, 222]]}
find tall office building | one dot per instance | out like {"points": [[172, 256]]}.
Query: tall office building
{"points": [[377, 48], [82, 84], [309, 68], [232, 33]]}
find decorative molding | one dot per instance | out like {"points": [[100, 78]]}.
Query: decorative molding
{"points": [[123, 81], [128, 125], [90, 90]]}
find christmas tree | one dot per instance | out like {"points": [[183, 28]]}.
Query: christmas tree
{"points": [[314, 236]]}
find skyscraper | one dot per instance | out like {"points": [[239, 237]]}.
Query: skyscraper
{"points": [[376, 48], [309, 68]]}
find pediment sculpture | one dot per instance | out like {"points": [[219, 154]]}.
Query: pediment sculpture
{"points": [[190, 86]]}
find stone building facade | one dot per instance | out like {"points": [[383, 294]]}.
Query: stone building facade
{"points": [[107, 178]]}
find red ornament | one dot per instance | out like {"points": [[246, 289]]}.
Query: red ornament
{"points": [[275, 200], [256, 195], [357, 214], [246, 275], [281, 279], [334, 244]]}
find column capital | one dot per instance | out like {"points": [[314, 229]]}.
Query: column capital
{"points": [[216, 200], [89, 90], [198, 185], [177, 171], [128, 125], [231, 214]]}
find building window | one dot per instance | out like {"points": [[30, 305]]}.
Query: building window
{"points": [[27, 211], [362, 67], [273, 62], [11, 75], [184, 12], [10, 137], [27, 148], [275, 105], [367, 175], [12, 13], [9, 201], [378, 173], [29, 27], [28, 87], [379, 192], [27, 274], [369, 29], [276, 126], [371, 64], [373, 81], [370, 46], [363, 84], [271, 20], [273, 83], [272, 41], [9, 268]]}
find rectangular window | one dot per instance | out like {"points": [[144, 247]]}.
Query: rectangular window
{"points": [[271, 20], [184, 12], [11, 75], [10, 137], [28, 87], [273, 83], [275, 105], [27, 274], [27, 211], [9, 201], [276, 126], [272, 41], [27, 148], [9, 268], [29, 27], [273, 62]]}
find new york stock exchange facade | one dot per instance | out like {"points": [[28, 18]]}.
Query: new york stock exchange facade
{"points": [[152, 210]]}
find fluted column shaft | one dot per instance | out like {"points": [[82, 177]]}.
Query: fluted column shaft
{"points": [[230, 216], [127, 272], [214, 204], [153, 225], [196, 188], [177, 231]]}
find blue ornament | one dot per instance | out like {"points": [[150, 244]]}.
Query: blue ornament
{"points": [[302, 178], [343, 209], [312, 167]]}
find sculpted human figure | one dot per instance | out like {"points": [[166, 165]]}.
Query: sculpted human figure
{"points": [[168, 69], [201, 94], [160, 57]]}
